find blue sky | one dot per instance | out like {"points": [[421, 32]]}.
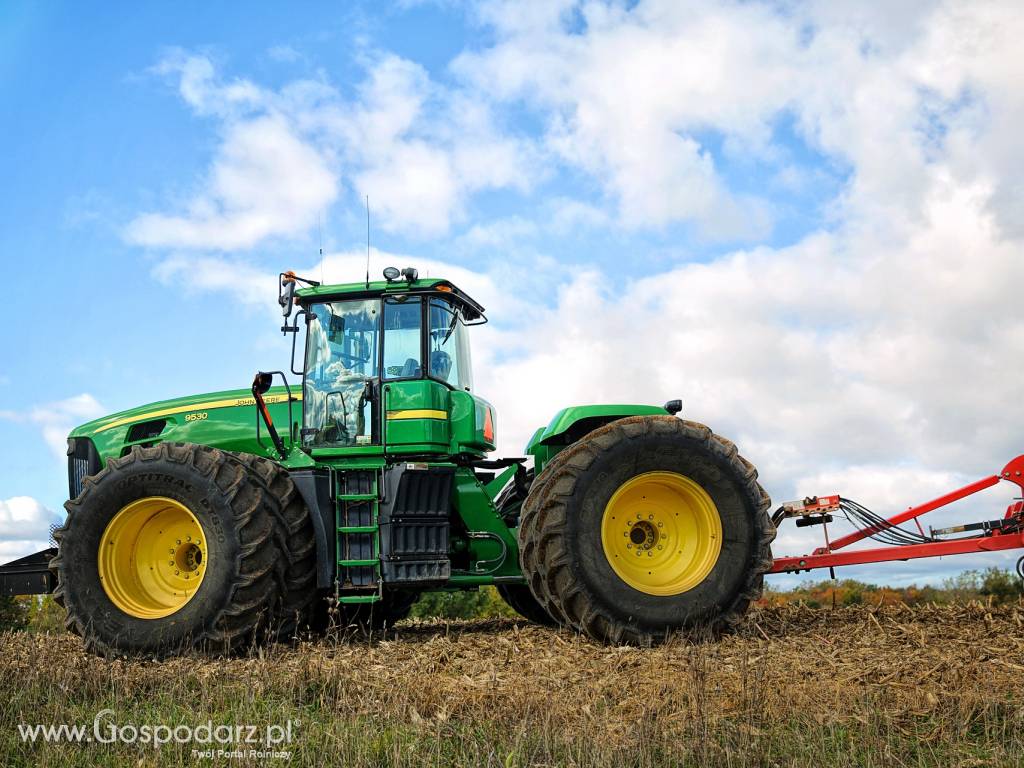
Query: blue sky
{"points": [[803, 219]]}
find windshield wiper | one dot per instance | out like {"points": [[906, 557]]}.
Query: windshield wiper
{"points": [[451, 328]]}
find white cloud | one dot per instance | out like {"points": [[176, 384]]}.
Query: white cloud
{"points": [[265, 181], [415, 148], [24, 526], [631, 95], [627, 98], [56, 419], [422, 149]]}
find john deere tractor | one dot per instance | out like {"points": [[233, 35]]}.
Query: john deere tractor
{"points": [[216, 521]]}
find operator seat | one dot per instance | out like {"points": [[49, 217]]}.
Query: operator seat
{"points": [[411, 369]]}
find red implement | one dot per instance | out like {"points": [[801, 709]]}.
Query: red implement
{"points": [[996, 535]]}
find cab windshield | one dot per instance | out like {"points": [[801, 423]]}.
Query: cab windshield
{"points": [[342, 353], [351, 345]]}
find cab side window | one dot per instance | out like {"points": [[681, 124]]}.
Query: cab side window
{"points": [[402, 338]]}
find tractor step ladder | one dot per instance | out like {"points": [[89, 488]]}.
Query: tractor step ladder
{"points": [[358, 535]]}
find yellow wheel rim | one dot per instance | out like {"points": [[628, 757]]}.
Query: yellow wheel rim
{"points": [[152, 557], [661, 533]]}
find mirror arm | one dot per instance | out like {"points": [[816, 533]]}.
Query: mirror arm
{"points": [[260, 384]]}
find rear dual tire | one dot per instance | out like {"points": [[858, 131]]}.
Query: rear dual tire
{"points": [[676, 483]]}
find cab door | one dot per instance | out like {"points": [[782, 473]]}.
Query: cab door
{"points": [[415, 408]]}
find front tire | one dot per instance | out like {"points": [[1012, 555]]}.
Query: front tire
{"points": [[143, 524]]}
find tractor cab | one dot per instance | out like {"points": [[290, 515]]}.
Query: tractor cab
{"points": [[386, 364]]}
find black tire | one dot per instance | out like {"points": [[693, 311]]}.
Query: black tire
{"points": [[518, 596], [532, 545], [241, 585], [569, 570], [510, 499], [296, 528], [521, 600]]}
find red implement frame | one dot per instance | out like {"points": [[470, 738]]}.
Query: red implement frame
{"points": [[992, 541]]}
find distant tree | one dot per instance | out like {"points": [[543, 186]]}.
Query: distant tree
{"points": [[14, 613], [995, 583], [1002, 586], [482, 603]]}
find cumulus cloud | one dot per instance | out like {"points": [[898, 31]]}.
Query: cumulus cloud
{"points": [[56, 419], [265, 181], [24, 526], [417, 149], [422, 149], [639, 95]]}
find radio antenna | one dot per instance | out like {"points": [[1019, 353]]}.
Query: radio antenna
{"points": [[367, 242], [320, 237]]}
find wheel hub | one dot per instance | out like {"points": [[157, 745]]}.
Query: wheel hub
{"points": [[152, 557], [661, 533]]}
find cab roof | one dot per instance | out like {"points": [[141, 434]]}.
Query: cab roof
{"points": [[471, 309]]}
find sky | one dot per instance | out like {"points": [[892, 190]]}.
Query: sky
{"points": [[804, 219]]}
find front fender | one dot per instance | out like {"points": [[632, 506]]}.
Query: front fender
{"points": [[572, 423]]}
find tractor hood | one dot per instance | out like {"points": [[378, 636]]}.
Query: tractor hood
{"points": [[225, 419], [176, 409]]}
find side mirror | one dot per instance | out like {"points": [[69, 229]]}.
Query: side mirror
{"points": [[286, 297], [286, 284], [262, 382]]}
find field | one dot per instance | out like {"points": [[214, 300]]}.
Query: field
{"points": [[850, 686]]}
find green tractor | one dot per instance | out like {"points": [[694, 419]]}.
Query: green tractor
{"points": [[216, 521]]}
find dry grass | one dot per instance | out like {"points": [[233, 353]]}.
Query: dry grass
{"points": [[798, 686]]}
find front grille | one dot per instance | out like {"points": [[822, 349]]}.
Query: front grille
{"points": [[78, 470], [83, 460]]}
